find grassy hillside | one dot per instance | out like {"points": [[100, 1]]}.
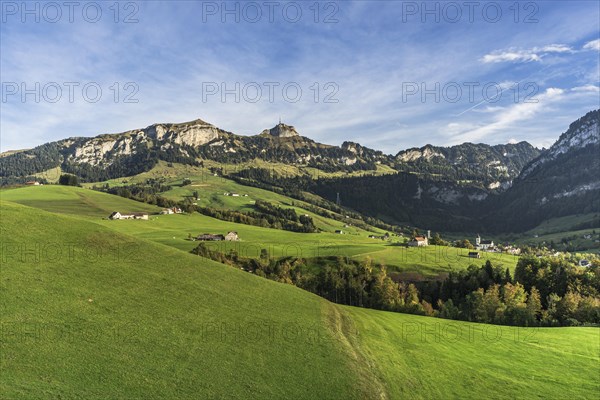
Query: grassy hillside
{"points": [[173, 230], [96, 314], [565, 231], [212, 189], [74, 201], [87, 312], [427, 358]]}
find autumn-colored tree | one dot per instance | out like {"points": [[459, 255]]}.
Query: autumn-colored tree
{"points": [[534, 307]]}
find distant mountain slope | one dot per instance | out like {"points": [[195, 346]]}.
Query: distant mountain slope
{"points": [[563, 180], [494, 166], [444, 191]]}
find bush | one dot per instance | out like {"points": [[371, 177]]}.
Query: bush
{"points": [[68, 180]]}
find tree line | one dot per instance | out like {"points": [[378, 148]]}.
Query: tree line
{"points": [[543, 292]]}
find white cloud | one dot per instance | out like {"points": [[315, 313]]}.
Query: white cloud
{"points": [[554, 48], [593, 45], [513, 141], [510, 56], [586, 88], [524, 55]]}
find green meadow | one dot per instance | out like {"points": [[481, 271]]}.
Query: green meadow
{"points": [[174, 231], [92, 310], [88, 312], [431, 358]]}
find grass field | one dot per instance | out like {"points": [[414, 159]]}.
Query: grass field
{"points": [[173, 230], [425, 358], [90, 312]]}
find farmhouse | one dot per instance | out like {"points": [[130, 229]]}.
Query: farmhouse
{"points": [[209, 237], [169, 211], [474, 254], [232, 237], [117, 215], [419, 241], [339, 232], [33, 183]]}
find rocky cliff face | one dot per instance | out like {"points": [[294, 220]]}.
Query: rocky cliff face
{"points": [[494, 167], [195, 133], [425, 153], [282, 131], [103, 150]]}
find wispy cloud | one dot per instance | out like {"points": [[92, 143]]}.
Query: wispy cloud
{"points": [[507, 117], [524, 55], [587, 88]]}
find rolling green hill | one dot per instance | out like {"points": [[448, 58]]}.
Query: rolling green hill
{"points": [[92, 313], [425, 358], [89, 312], [173, 230]]}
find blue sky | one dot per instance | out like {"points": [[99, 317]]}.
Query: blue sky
{"points": [[387, 74]]}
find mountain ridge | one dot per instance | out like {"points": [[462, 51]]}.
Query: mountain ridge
{"points": [[136, 150]]}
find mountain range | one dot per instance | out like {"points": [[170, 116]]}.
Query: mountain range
{"points": [[114, 155], [463, 187], [559, 181]]}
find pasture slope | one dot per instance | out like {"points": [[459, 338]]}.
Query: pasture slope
{"points": [[89, 312], [173, 230]]}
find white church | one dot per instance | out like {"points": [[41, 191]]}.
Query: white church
{"points": [[483, 244]]}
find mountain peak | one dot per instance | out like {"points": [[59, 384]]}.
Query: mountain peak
{"points": [[281, 130]]}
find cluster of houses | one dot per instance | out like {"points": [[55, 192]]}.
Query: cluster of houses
{"points": [[510, 249], [483, 245], [210, 237], [142, 215], [172, 210]]}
